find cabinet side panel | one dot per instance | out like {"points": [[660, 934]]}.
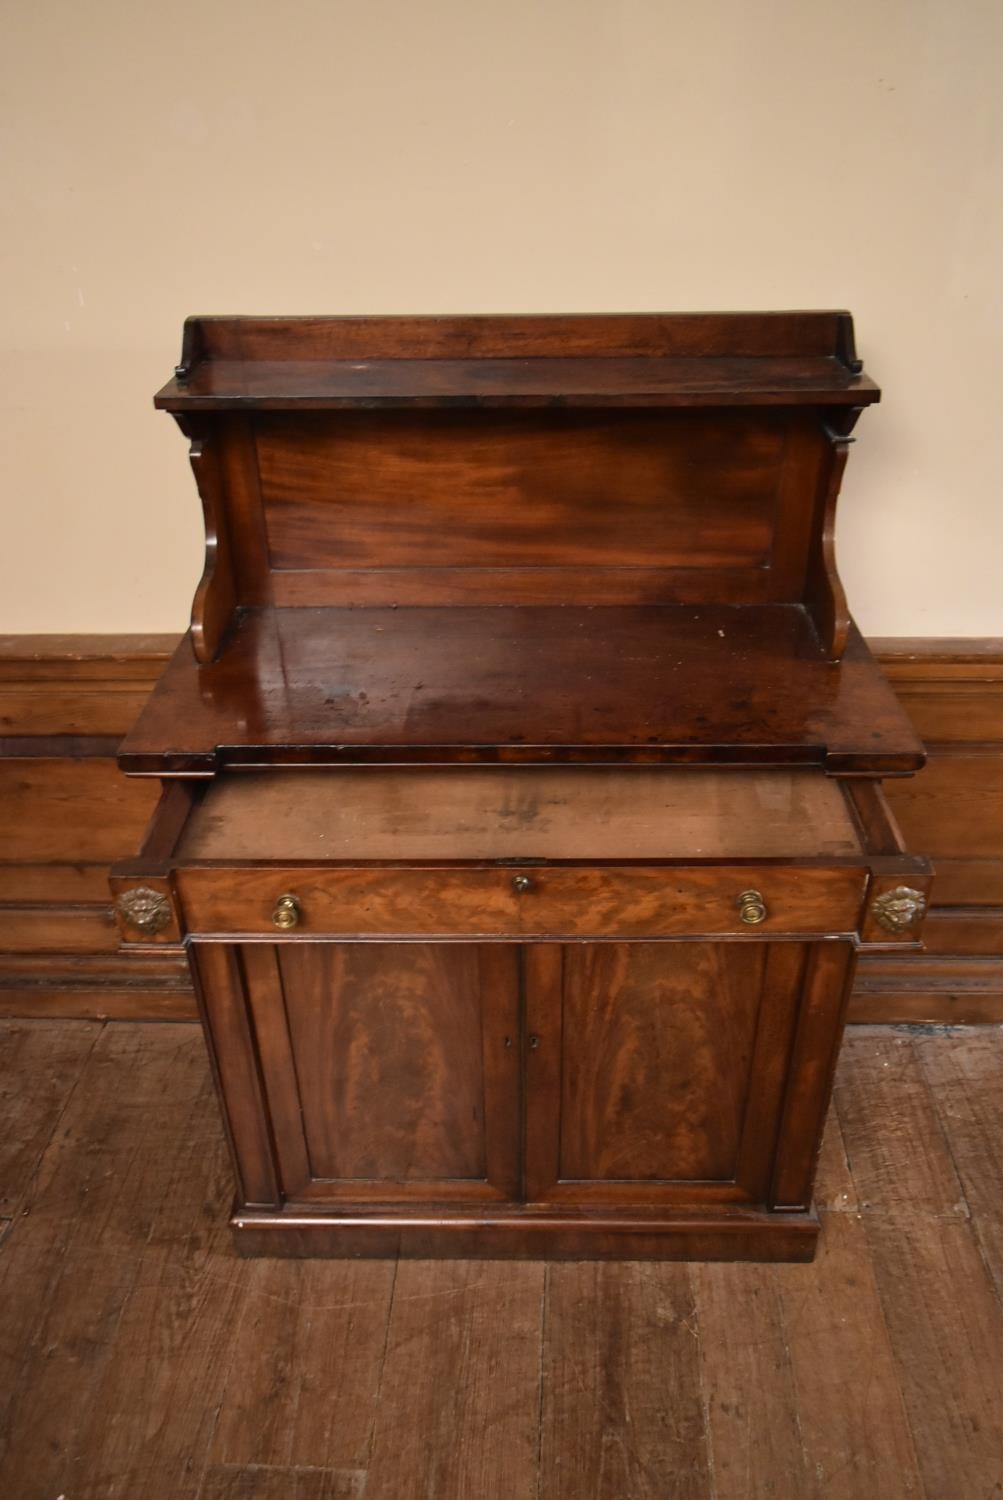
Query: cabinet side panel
{"points": [[260, 964], [813, 1062], [221, 993], [783, 980]]}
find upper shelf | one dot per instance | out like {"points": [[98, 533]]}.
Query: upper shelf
{"points": [[689, 359]]}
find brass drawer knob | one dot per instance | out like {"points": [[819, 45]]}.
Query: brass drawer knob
{"points": [[522, 883], [286, 913], [752, 908]]}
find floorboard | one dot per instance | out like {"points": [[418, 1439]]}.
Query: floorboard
{"points": [[156, 1405], [750, 1399], [623, 1402], [139, 1356], [851, 1413], [70, 1264], [308, 1358], [459, 1408], [41, 1066], [290, 1482], [943, 1317], [964, 1072]]}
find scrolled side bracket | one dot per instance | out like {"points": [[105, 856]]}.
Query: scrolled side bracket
{"points": [[216, 596], [824, 592]]}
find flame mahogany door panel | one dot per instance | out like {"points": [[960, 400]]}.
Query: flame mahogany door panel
{"points": [[389, 1072], [585, 1076], [657, 1072]]}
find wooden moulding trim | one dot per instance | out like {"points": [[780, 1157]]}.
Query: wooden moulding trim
{"points": [[58, 746], [106, 986], [506, 336], [521, 1233], [105, 656], [75, 696], [960, 990], [96, 1002], [968, 658], [627, 359], [482, 385], [206, 763], [151, 969]]}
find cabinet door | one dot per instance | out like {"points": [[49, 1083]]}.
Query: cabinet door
{"points": [[388, 1072], [656, 1072]]}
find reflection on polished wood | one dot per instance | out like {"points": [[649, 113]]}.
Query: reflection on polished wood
{"points": [[655, 684], [522, 815]]}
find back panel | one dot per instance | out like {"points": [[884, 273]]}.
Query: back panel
{"points": [[436, 507]]}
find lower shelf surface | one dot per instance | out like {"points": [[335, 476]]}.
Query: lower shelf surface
{"points": [[747, 684]]}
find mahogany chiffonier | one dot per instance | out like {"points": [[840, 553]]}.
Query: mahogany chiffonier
{"points": [[522, 812]]}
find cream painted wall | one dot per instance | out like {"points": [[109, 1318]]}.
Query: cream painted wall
{"points": [[456, 155]]}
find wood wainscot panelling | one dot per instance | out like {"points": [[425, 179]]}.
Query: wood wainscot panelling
{"points": [[66, 813], [953, 812]]}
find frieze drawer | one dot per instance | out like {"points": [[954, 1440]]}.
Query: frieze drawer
{"points": [[523, 902]]}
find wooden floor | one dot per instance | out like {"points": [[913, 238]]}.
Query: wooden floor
{"points": [[139, 1358]]}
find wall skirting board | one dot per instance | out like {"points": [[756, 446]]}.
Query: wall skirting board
{"points": [[66, 813]]}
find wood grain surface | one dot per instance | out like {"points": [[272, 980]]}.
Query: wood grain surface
{"points": [[656, 1052], [541, 490], [585, 1100], [312, 385], [746, 335], [561, 901], [712, 683], [393, 1049], [397, 814]]}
